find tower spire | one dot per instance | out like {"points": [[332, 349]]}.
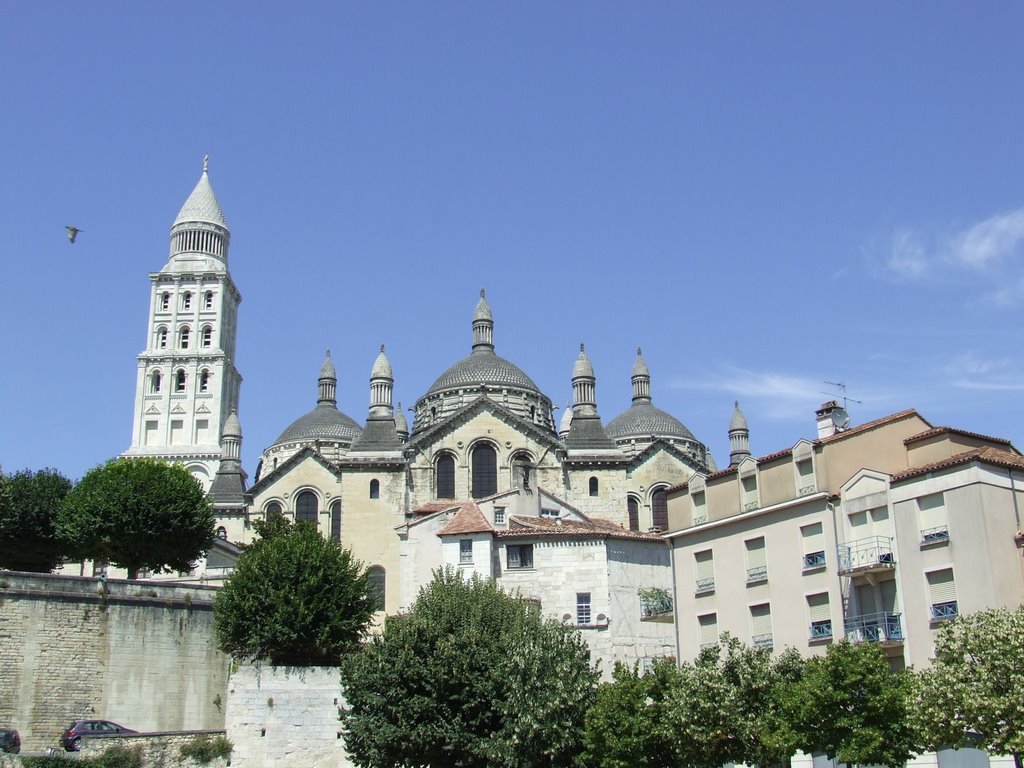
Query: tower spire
{"points": [[641, 379], [483, 326]]}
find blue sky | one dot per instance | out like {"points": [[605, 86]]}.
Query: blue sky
{"points": [[764, 196]]}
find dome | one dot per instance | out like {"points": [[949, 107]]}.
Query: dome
{"points": [[381, 366], [232, 427], [483, 309], [483, 367], [640, 365], [642, 419], [582, 366], [738, 421], [325, 422], [202, 204]]}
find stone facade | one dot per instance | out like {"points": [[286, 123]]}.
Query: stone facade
{"points": [[141, 654], [158, 750]]}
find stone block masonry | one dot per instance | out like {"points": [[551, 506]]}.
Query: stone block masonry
{"points": [[139, 653]]}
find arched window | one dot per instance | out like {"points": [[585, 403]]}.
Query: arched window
{"points": [[207, 338], [165, 302], [522, 471], [273, 508], [446, 477], [659, 510], [634, 514], [183, 337], [375, 489], [306, 507], [204, 381], [222, 533], [161, 338], [154, 382], [336, 520], [593, 486], [485, 471], [208, 300], [186, 300], [378, 583], [179, 381]]}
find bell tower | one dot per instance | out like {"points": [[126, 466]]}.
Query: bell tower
{"points": [[187, 384]]}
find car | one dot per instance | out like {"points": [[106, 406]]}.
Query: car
{"points": [[10, 741], [72, 737]]}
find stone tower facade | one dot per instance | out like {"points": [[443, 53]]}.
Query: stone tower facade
{"points": [[187, 383]]}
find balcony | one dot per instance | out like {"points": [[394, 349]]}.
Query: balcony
{"points": [[874, 628], [814, 560], [821, 630], [937, 535], [703, 586], [944, 611], [757, 575], [656, 605], [762, 641], [871, 555]]}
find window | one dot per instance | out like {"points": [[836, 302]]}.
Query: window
{"points": [[820, 614], [186, 300], [154, 382], [757, 566], [183, 337], [813, 541], [485, 471], [272, 509], [931, 511], [204, 381], [942, 594], [749, 492], [446, 477], [306, 507], [336, 520], [465, 551], [583, 608], [208, 300], [805, 477], [634, 513], [179, 381], [499, 515], [761, 626], [207, 337], [519, 556], [378, 584], [704, 566], [659, 510], [593, 486], [375, 489], [700, 508], [165, 302], [708, 629], [222, 533], [161, 338]]}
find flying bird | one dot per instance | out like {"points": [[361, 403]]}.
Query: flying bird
{"points": [[72, 233]]}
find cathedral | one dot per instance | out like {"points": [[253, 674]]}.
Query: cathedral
{"points": [[568, 514]]}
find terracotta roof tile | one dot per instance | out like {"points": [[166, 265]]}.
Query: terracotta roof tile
{"points": [[951, 430], [469, 519], [986, 454], [521, 526], [868, 426], [435, 506]]}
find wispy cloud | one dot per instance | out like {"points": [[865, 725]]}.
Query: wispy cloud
{"points": [[907, 257], [989, 241], [972, 370]]}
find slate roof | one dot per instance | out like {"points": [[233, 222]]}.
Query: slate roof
{"points": [[378, 435], [586, 433]]}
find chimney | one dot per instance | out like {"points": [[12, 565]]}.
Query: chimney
{"points": [[831, 418]]}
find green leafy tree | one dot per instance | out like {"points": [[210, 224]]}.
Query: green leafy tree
{"points": [[138, 513], [28, 513], [294, 598], [470, 677], [850, 705], [974, 691], [629, 725]]}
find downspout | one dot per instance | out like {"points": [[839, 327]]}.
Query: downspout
{"points": [[675, 600], [1013, 494]]}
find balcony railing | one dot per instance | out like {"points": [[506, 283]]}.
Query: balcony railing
{"points": [[821, 630], [755, 575], [762, 641], [944, 611], [704, 585], [866, 555], [874, 628], [935, 535], [814, 560], [655, 603]]}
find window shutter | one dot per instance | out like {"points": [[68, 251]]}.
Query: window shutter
{"points": [[814, 539], [932, 511], [818, 607], [890, 600], [858, 525], [755, 553], [866, 600], [760, 620], [941, 587], [708, 628], [705, 565]]}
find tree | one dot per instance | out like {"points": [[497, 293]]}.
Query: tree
{"points": [[294, 598], [628, 725], [974, 691], [850, 705], [470, 677], [138, 513], [28, 511]]}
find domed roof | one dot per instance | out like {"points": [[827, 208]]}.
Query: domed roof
{"points": [[483, 309], [582, 366], [202, 204], [738, 420], [483, 367], [642, 419], [232, 427], [381, 366], [640, 365], [325, 422]]}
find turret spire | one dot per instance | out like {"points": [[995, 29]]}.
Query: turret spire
{"points": [[483, 326], [327, 383], [739, 437], [641, 379]]}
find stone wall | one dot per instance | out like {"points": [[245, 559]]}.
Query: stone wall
{"points": [[281, 717], [139, 653], [158, 750]]}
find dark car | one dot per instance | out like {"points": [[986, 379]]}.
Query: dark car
{"points": [[72, 738], [10, 741]]}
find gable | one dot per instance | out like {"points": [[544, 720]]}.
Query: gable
{"points": [[307, 467], [865, 483]]}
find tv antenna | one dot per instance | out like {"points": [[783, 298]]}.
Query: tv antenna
{"points": [[842, 389]]}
